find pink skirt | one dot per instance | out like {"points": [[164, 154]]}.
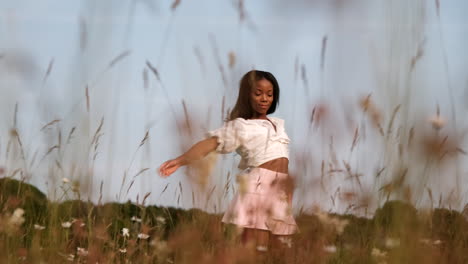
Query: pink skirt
{"points": [[262, 203]]}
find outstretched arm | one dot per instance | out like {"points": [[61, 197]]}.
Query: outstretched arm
{"points": [[196, 152]]}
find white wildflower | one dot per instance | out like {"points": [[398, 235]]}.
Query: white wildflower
{"points": [[262, 248], [330, 248], [135, 219], [326, 219], [437, 242], [161, 220], [67, 224], [392, 242], [39, 227], [71, 257], [17, 218], [286, 240], [65, 180], [125, 232], [143, 236], [123, 250], [81, 252], [377, 253]]}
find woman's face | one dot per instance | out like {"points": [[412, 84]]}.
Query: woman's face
{"points": [[261, 96]]}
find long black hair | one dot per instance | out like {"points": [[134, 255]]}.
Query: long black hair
{"points": [[243, 108]]}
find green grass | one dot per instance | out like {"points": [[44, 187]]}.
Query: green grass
{"points": [[397, 231]]}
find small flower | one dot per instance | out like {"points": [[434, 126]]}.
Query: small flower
{"points": [[330, 248], [437, 242], [81, 252], [336, 223], [125, 232], [286, 240], [378, 254], [17, 218], [66, 224], [392, 242], [71, 257], [22, 254], [39, 227], [161, 220], [123, 250], [143, 236], [262, 248], [135, 219], [65, 180]]}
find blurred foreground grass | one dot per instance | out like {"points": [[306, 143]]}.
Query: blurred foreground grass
{"points": [[35, 230]]}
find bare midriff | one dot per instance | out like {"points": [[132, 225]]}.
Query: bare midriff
{"points": [[278, 165]]}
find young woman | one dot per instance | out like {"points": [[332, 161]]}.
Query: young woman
{"points": [[262, 206]]}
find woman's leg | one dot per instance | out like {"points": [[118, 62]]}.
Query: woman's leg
{"points": [[259, 238], [247, 236], [263, 239]]}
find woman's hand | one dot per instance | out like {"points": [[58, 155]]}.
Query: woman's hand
{"points": [[169, 167], [196, 152]]}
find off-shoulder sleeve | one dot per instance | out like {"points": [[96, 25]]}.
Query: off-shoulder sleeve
{"points": [[230, 136]]}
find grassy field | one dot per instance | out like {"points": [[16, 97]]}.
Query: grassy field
{"points": [[35, 230]]}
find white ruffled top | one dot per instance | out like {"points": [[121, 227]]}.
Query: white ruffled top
{"points": [[255, 140]]}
